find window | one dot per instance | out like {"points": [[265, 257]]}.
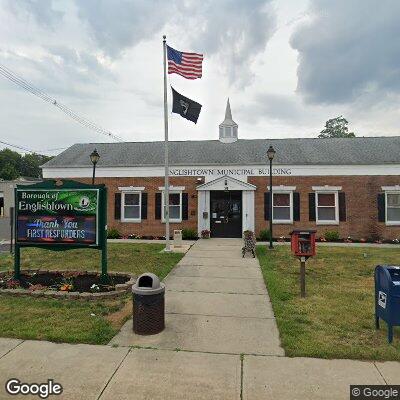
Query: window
{"points": [[175, 207], [392, 208], [131, 206], [282, 207], [326, 204]]}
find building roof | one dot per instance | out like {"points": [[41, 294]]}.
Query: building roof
{"points": [[338, 151]]}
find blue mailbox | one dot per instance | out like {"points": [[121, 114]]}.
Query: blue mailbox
{"points": [[387, 296]]}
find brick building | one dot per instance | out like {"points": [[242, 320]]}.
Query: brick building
{"points": [[348, 185]]}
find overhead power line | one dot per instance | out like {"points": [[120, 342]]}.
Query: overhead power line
{"points": [[30, 150], [21, 82]]}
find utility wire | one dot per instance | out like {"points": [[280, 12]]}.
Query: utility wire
{"points": [[10, 75], [29, 150]]}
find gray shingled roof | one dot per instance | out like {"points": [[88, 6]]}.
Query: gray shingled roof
{"points": [[362, 150]]}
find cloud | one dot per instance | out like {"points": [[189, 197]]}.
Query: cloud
{"points": [[234, 31], [42, 11], [348, 49], [120, 24]]}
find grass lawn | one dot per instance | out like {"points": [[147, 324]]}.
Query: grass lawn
{"points": [[71, 321], [336, 319]]}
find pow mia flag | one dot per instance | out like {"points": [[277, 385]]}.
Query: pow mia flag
{"points": [[185, 107]]}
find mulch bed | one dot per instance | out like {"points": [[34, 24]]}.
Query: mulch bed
{"points": [[82, 282]]}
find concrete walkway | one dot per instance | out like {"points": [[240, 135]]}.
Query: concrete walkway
{"points": [[221, 342], [216, 302]]}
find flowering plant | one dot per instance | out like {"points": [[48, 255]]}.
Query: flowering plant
{"points": [[12, 284], [66, 287], [95, 288], [205, 234]]}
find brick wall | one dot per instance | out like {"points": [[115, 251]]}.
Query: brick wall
{"points": [[361, 204], [149, 226]]}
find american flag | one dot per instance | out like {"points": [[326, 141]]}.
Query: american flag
{"points": [[188, 65]]}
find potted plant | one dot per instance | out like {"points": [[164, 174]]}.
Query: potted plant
{"points": [[205, 234]]}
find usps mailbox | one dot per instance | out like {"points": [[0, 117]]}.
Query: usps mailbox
{"points": [[303, 242], [387, 297]]}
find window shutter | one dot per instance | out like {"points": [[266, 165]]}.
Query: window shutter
{"points": [[342, 206], [296, 206], [266, 206], [381, 207], [117, 206], [185, 206], [158, 206], [143, 210], [311, 206]]}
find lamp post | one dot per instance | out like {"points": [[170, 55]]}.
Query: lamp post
{"points": [[270, 153], [94, 158]]}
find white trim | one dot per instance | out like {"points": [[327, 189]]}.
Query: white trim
{"points": [[327, 222], [220, 170], [283, 221], [123, 218], [131, 188], [282, 187], [394, 188], [395, 191], [176, 188], [172, 220], [327, 188], [231, 184]]}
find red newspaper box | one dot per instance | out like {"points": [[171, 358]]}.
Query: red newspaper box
{"points": [[303, 242]]}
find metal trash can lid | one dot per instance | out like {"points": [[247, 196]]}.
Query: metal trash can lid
{"points": [[148, 284]]}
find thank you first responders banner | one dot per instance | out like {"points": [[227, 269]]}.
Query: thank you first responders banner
{"points": [[57, 216]]}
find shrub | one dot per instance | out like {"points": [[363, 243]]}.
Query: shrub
{"points": [[113, 233], [331, 236], [264, 235], [189, 234]]}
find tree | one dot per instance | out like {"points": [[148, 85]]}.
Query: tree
{"points": [[8, 173], [13, 165], [336, 128]]}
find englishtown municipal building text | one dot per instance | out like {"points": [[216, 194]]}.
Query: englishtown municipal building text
{"points": [[228, 171]]}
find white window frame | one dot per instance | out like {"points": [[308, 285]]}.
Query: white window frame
{"points": [[173, 220], [125, 219], [283, 221], [390, 191], [322, 221]]}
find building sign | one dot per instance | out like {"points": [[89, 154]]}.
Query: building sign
{"points": [[229, 171], [52, 216]]}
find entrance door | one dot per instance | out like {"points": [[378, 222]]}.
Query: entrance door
{"points": [[226, 214]]}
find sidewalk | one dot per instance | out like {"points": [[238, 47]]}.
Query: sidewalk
{"points": [[221, 342], [216, 301]]}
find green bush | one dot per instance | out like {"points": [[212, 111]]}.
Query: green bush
{"points": [[331, 236], [113, 233], [264, 235], [189, 234]]}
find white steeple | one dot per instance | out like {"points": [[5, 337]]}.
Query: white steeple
{"points": [[228, 130]]}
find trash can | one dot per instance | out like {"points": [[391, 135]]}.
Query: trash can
{"points": [[177, 238], [387, 297], [148, 305]]}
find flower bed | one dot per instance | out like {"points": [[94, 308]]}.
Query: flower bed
{"points": [[68, 284]]}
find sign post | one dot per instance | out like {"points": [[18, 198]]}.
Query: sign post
{"points": [[61, 215]]}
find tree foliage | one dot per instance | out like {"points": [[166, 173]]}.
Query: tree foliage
{"points": [[336, 128], [14, 165]]}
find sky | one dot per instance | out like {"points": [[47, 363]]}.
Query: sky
{"points": [[287, 66]]}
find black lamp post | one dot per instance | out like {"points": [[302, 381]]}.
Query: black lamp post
{"points": [[270, 153], [94, 158]]}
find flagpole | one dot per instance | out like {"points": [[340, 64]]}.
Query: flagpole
{"points": [[166, 185]]}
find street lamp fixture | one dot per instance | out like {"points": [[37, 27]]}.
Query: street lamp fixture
{"points": [[270, 153], [94, 158]]}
